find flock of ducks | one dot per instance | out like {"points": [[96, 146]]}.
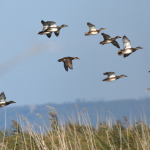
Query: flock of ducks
{"points": [[50, 26]]}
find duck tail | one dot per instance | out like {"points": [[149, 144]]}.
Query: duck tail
{"points": [[86, 34], [41, 32], [59, 60], [102, 43], [104, 80], [120, 52]]}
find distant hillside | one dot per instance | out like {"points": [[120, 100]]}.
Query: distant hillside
{"points": [[100, 109]]}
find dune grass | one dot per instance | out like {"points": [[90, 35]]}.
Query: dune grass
{"points": [[76, 134]]}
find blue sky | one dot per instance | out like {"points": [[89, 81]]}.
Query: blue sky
{"points": [[30, 73]]}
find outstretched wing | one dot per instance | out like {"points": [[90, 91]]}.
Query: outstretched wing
{"points": [[109, 74], [126, 55], [49, 34], [2, 98], [65, 65], [115, 43], [105, 36], [126, 42], [57, 33], [48, 24], [91, 27], [69, 63]]}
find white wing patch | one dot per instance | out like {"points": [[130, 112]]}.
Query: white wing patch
{"points": [[53, 25], [45, 27], [92, 28], [111, 75], [126, 43], [2, 101]]}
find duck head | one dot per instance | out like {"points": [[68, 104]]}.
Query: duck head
{"points": [[121, 76], [117, 37], [63, 25], [76, 58], [10, 102], [102, 29], [139, 47]]}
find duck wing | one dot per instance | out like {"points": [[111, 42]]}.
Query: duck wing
{"points": [[91, 27], [65, 65], [49, 34], [105, 36], [69, 63], [115, 43], [126, 42], [48, 24], [126, 55], [109, 74], [2, 98], [57, 33], [52, 24]]}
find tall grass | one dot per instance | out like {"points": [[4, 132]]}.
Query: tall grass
{"points": [[76, 134]]}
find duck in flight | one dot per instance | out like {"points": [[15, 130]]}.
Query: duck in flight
{"points": [[112, 76], [127, 49], [3, 100], [46, 25], [49, 27], [93, 30], [67, 62], [108, 39]]}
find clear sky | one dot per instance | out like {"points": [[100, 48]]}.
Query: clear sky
{"points": [[29, 71]]}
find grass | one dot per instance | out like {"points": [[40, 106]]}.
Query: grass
{"points": [[109, 134]]}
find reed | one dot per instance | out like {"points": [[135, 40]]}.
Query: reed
{"points": [[76, 134]]}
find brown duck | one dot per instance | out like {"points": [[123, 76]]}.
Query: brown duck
{"points": [[92, 29], [108, 39], [3, 100], [112, 76], [68, 62]]}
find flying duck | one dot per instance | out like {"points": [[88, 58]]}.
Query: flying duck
{"points": [[46, 25], [127, 49], [112, 76], [68, 62], [49, 27], [92, 29], [108, 39], [3, 100]]}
